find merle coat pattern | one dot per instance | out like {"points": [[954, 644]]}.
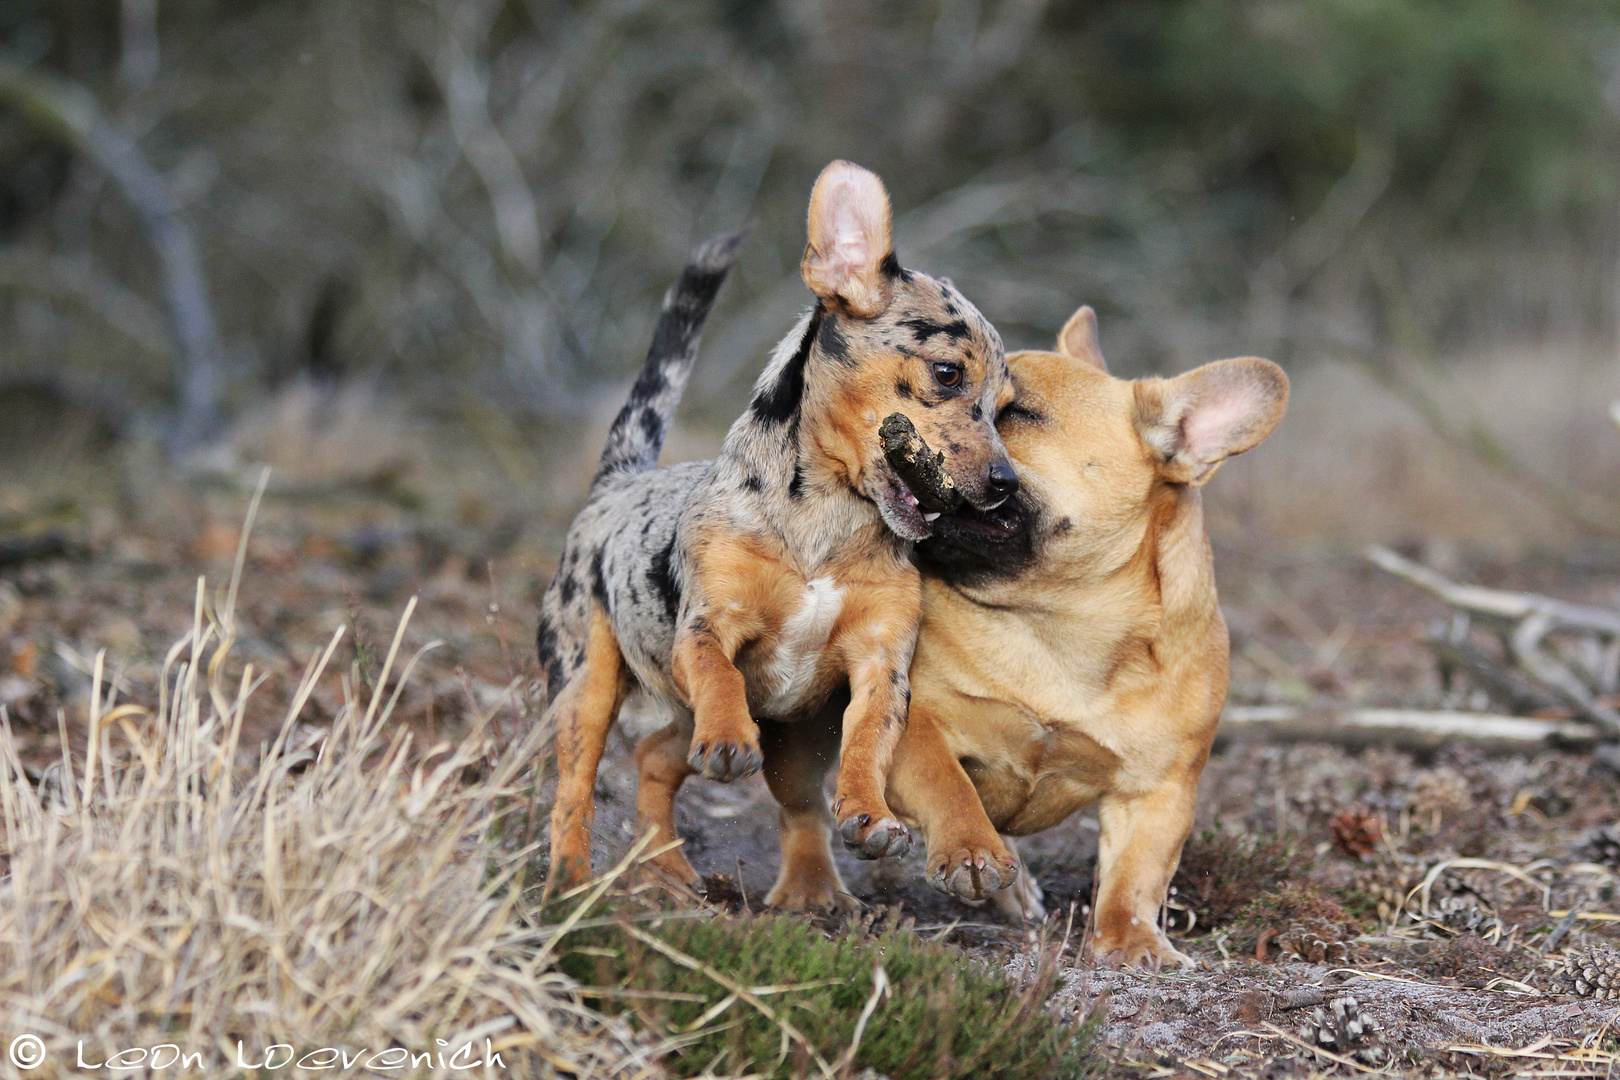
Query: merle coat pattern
{"points": [[760, 584]]}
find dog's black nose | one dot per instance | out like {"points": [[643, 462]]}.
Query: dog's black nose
{"points": [[1001, 484]]}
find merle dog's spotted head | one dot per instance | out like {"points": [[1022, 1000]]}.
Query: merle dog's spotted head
{"points": [[886, 340]]}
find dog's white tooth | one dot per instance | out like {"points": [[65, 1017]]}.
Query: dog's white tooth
{"points": [[930, 517]]}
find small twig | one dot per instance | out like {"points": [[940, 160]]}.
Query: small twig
{"points": [[922, 469], [1558, 932], [880, 990]]}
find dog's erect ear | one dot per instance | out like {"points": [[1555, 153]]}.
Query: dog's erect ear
{"points": [[1078, 339], [1198, 420], [849, 241]]}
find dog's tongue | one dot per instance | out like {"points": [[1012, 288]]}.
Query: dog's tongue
{"points": [[919, 468]]}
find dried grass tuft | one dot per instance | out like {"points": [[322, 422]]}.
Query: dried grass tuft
{"points": [[338, 893]]}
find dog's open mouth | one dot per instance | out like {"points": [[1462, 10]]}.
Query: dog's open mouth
{"points": [[901, 512], [972, 544], [1000, 523]]}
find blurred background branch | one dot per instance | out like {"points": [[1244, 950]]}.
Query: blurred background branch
{"points": [[474, 206], [68, 112]]}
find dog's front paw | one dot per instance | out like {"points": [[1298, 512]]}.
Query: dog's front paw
{"points": [[1141, 948], [872, 835], [971, 871], [725, 761]]}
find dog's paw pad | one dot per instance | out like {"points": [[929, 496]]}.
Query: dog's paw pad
{"points": [[868, 839], [972, 875], [725, 761]]}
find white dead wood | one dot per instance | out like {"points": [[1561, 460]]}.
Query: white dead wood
{"points": [[70, 112], [1408, 729], [1580, 676]]}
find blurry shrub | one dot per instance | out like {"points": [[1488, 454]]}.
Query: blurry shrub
{"points": [[486, 198], [1489, 105]]}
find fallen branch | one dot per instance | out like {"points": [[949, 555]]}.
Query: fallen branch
{"points": [[1524, 621], [1407, 729], [1494, 602]]}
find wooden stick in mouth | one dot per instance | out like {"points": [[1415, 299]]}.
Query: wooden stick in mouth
{"points": [[922, 469]]}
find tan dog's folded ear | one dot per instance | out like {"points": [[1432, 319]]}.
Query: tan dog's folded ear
{"points": [[849, 241], [1198, 420], [1078, 339]]}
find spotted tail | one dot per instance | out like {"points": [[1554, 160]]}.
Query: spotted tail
{"points": [[637, 434]]}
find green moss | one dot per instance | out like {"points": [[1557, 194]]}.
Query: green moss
{"points": [[1289, 903], [1361, 906], [945, 1016], [1222, 872]]}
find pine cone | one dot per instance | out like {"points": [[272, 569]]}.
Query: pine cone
{"points": [[1356, 832], [1315, 941], [1341, 1029], [1462, 916], [1602, 846], [1388, 885], [1593, 972]]}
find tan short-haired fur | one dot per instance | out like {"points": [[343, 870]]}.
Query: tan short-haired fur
{"points": [[1096, 671], [1072, 651]]}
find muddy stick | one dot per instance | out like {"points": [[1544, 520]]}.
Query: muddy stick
{"points": [[922, 469]]}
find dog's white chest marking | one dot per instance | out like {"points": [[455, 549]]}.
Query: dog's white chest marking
{"points": [[799, 646]]}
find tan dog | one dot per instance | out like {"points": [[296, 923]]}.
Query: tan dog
{"points": [[1072, 650]]}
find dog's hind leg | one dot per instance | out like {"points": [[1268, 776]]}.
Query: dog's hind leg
{"points": [[582, 712], [661, 769], [797, 757]]}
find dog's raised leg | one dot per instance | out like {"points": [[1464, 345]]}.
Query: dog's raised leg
{"points": [[661, 769], [797, 757], [880, 695], [1136, 856], [725, 739], [583, 711], [966, 857]]}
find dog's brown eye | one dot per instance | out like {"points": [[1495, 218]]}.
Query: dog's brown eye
{"points": [[948, 375]]}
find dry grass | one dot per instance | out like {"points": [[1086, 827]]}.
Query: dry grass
{"points": [[339, 892]]}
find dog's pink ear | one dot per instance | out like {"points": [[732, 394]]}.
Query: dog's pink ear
{"points": [[1198, 420], [849, 241], [1078, 339]]}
